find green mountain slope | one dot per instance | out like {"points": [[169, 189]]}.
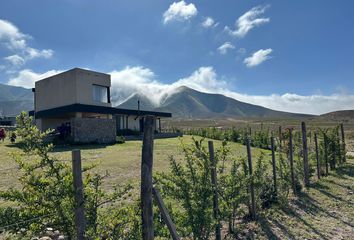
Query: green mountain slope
{"points": [[192, 104], [13, 100]]}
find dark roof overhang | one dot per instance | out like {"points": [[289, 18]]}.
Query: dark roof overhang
{"points": [[96, 109]]}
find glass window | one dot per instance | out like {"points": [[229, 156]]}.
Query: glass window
{"points": [[100, 93]]}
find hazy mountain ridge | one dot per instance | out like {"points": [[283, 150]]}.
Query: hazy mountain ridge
{"points": [[13, 100], [184, 102], [12, 93], [339, 115], [189, 103]]}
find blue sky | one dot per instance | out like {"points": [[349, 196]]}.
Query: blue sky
{"points": [[287, 55]]}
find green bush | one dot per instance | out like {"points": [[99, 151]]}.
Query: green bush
{"points": [[46, 195]]}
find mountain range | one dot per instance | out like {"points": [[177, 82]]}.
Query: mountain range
{"points": [[188, 103], [183, 103], [13, 100]]}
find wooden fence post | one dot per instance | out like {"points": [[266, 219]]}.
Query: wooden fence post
{"points": [[165, 215], [305, 153], [215, 187], [332, 163], [325, 143], [274, 165], [253, 203], [343, 142], [317, 158], [340, 158], [146, 179], [293, 184], [79, 195], [280, 137]]}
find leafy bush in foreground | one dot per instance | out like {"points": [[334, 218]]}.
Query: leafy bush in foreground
{"points": [[46, 196]]}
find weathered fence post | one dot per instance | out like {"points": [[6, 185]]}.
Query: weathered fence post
{"points": [[165, 215], [274, 165], [215, 187], [343, 142], [340, 158], [332, 163], [146, 179], [317, 158], [280, 137], [325, 143], [305, 153], [293, 184], [79, 195], [253, 203]]}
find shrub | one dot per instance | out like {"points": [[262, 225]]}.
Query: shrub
{"points": [[46, 195]]}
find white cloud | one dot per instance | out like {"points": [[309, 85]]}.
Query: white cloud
{"points": [[248, 21], [35, 53], [16, 41], [142, 80], [179, 11], [258, 57], [225, 47], [11, 36], [15, 60], [131, 80], [290, 102], [209, 22], [26, 78]]}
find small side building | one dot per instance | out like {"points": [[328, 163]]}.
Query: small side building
{"points": [[79, 100]]}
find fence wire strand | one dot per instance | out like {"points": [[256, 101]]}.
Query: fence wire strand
{"points": [[28, 220]]}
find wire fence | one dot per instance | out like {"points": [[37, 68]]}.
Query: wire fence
{"points": [[24, 221]]}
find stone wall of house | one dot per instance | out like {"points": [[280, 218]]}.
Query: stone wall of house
{"points": [[93, 130]]}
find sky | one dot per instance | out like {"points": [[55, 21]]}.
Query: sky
{"points": [[295, 56]]}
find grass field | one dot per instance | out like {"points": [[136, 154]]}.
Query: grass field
{"points": [[324, 211], [122, 161]]}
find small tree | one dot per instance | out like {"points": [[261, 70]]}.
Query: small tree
{"points": [[189, 185], [46, 197]]}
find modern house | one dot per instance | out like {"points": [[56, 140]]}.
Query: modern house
{"points": [[80, 100]]}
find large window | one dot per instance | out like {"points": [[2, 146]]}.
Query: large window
{"points": [[100, 93]]}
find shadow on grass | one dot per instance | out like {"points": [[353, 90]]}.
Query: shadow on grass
{"points": [[284, 230], [321, 189], [70, 147], [14, 145], [267, 229], [66, 147], [339, 184], [291, 211], [311, 207], [347, 169]]}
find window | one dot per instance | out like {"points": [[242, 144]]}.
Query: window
{"points": [[100, 93]]}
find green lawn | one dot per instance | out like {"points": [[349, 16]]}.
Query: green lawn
{"points": [[122, 161]]}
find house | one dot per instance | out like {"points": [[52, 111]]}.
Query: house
{"points": [[80, 100], [7, 121]]}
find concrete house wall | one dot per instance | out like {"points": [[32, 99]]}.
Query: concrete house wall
{"points": [[74, 86], [70, 87]]}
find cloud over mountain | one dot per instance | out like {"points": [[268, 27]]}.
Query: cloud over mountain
{"points": [[128, 81], [131, 80]]}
